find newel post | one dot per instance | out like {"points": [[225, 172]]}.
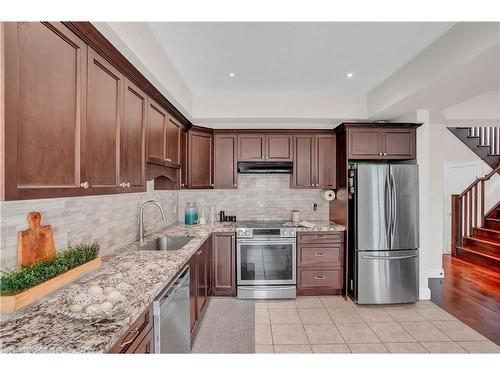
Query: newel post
{"points": [[456, 223]]}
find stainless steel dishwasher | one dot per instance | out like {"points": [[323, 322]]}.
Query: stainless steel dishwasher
{"points": [[171, 317]]}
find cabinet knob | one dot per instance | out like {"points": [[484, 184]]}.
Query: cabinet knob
{"points": [[84, 185], [122, 184], [128, 184], [212, 185], [385, 153]]}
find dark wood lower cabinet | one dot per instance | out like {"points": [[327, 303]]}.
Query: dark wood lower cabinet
{"points": [[132, 341], [320, 258], [223, 264], [147, 345]]}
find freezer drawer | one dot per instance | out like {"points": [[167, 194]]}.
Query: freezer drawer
{"points": [[386, 277]]}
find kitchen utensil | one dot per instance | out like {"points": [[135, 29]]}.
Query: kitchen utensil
{"points": [[36, 243]]}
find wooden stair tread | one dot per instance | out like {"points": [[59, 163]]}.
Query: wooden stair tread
{"points": [[483, 240], [487, 230], [479, 253]]}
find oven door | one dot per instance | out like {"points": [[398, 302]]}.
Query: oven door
{"points": [[270, 261]]}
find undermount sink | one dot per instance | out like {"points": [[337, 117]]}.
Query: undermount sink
{"points": [[165, 243]]}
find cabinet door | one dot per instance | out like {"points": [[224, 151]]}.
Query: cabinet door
{"points": [[223, 264], [303, 166], [173, 140], [133, 138], [201, 297], [157, 119], [251, 147], [279, 147], [225, 166], [326, 158], [146, 346], [200, 160], [399, 144], [105, 87], [45, 110], [365, 143]]}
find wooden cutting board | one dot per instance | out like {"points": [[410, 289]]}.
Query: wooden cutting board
{"points": [[36, 243]]}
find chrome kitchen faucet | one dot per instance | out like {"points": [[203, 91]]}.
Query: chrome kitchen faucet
{"points": [[141, 217]]}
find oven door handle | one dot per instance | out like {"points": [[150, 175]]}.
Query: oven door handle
{"points": [[267, 241]]}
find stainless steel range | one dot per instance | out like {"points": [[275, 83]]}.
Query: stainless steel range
{"points": [[266, 260]]}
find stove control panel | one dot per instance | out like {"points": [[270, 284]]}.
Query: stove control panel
{"points": [[244, 233], [261, 232]]}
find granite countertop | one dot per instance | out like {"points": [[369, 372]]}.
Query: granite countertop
{"points": [[48, 327]]}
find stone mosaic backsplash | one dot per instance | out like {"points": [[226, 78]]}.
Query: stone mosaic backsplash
{"points": [[112, 220]]}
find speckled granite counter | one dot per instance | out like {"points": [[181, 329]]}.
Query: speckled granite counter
{"points": [[45, 328]]}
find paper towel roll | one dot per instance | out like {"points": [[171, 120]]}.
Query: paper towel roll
{"points": [[328, 195]]}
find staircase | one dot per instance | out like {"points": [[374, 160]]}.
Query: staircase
{"points": [[484, 141], [475, 234]]}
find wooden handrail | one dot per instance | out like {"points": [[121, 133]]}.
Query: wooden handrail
{"points": [[466, 208], [479, 179]]}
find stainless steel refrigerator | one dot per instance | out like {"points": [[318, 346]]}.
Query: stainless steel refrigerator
{"points": [[386, 234]]}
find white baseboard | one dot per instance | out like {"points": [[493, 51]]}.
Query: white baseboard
{"points": [[424, 294], [435, 273]]}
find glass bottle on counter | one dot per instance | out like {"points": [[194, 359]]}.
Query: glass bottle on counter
{"points": [[189, 217]]}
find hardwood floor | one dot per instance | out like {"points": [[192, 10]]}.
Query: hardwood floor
{"points": [[471, 293]]}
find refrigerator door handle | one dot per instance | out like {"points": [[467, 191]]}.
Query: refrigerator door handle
{"points": [[387, 207], [389, 257], [393, 206]]}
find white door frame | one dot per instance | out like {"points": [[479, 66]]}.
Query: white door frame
{"points": [[447, 167]]}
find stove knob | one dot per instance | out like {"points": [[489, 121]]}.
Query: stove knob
{"points": [[241, 232], [248, 233]]}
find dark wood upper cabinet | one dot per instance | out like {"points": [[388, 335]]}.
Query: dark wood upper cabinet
{"points": [[157, 119], [400, 144], [279, 147], [303, 165], [225, 165], [105, 87], [314, 165], [379, 143], [251, 147], [45, 111], [173, 140], [223, 264], [133, 138], [365, 143], [274, 147], [200, 163], [326, 161]]}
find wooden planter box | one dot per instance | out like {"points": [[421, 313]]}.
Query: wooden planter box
{"points": [[13, 303]]}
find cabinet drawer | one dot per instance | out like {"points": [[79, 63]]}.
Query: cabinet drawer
{"points": [[317, 278], [320, 255], [321, 237], [129, 341]]}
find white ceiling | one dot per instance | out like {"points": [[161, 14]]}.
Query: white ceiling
{"points": [[292, 56]]}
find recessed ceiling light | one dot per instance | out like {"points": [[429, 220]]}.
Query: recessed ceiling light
{"points": [[232, 74], [349, 75]]}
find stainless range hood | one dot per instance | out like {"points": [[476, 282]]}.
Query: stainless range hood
{"points": [[265, 167]]}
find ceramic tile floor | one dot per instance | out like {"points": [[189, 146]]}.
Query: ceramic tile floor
{"points": [[333, 325]]}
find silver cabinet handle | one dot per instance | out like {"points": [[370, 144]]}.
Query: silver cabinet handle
{"points": [[319, 254], [320, 236], [84, 185], [319, 277], [135, 332]]}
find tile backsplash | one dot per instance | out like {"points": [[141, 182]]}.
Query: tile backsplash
{"points": [[259, 197], [112, 220]]}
